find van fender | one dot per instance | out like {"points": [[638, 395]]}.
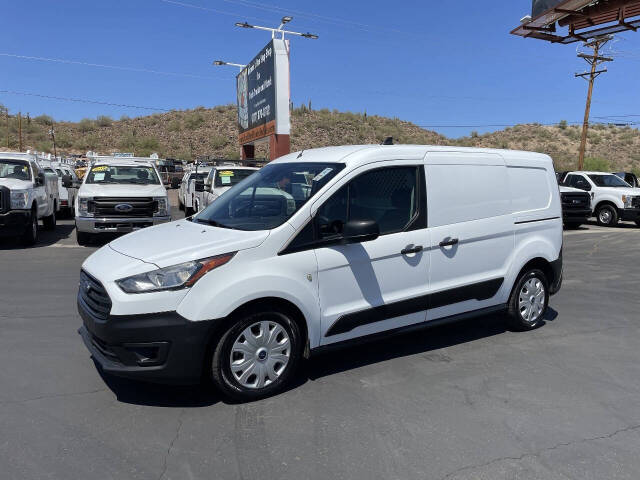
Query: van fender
{"points": [[215, 297], [529, 248]]}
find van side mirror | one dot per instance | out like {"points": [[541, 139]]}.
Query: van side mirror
{"points": [[67, 181], [357, 231], [40, 179], [199, 186]]}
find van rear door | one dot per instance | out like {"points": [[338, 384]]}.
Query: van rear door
{"points": [[471, 231]]}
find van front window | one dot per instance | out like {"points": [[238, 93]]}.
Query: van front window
{"points": [[269, 197]]}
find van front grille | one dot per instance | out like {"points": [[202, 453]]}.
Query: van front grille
{"points": [[94, 297], [123, 207]]}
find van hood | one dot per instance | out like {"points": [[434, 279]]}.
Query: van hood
{"points": [[16, 183], [182, 241], [121, 190]]}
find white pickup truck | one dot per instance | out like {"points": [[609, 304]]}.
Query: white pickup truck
{"points": [[612, 198], [119, 195], [27, 194], [68, 184], [219, 180]]}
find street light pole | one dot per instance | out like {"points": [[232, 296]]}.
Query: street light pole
{"points": [[280, 29]]}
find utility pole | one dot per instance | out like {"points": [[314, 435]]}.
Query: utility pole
{"points": [[7, 112], [20, 129], [53, 137], [593, 60]]}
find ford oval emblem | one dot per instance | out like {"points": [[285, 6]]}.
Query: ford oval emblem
{"points": [[123, 207]]}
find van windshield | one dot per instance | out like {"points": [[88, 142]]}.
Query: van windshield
{"points": [[229, 178], [269, 197]]}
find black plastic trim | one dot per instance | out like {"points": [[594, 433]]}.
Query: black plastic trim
{"points": [[477, 291], [409, 328], [536, 220]]}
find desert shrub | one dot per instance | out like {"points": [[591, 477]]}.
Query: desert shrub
{"points": [[124, 118], [147, 145], [43, 120], [104, 121], [474, 134], [562, 125], [174, 126], [194, 121], [597, 164], [63, 140], [218, 141], [86, 125]]}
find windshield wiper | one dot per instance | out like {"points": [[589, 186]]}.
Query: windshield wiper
{"points": [[212, 223]]}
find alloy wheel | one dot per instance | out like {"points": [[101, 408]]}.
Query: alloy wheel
{"points": [[531, 300]]}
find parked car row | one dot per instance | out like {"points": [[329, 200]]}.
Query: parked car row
{"points": [[611, 198]]}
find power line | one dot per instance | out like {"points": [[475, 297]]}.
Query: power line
{"points": [[83, 100], [116, 67], [313, 16], [207, 9]]}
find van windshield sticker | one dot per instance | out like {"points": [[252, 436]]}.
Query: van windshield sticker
{"points": [[102, 168], [226, 180], [226, 173], [99, 176], [322, 174]]}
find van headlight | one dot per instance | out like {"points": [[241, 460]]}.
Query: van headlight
{"points": [[19, 199], [83, 207], [163, 206], [175, 277]]}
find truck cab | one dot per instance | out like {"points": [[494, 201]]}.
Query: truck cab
{"points": [[27, 194], [219, 180], [120, 195]]}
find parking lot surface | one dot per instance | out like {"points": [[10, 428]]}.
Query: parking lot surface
{"points": [[464, 401]]}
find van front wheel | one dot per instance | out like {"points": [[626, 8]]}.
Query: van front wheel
{"points": [[257, 356], [529, 301]]}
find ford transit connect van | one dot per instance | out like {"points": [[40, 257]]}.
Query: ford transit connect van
{"points": [[320, 247]]}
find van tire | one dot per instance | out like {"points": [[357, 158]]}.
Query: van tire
{"points": [[30, 235], [516, 319], [607, 215], [220, 366], [50, 221]]}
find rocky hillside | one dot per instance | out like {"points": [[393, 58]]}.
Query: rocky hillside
{"points": [[189, 133]]}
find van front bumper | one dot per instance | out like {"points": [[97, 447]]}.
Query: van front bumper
{"points": [[14, 222], [159, 347], [117, 224]]}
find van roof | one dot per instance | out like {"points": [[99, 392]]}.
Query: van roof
{"points": [[360, 154]]}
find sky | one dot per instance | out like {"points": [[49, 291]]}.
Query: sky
{"points": [[450, 66]]}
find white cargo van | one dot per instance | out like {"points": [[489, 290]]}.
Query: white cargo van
{"points": [[386, 238]]}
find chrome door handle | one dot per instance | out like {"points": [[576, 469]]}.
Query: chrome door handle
{"points": [[449, 242], [409, 249]]}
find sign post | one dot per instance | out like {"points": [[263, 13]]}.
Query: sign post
{"points": [[263, 93]]}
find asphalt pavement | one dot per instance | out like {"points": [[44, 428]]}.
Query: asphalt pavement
{"points": [[464, 401]]}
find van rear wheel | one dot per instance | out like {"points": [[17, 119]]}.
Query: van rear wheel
{"points": [[257, 356], [529, 301]]}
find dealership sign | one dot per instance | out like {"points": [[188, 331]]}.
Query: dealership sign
{"points": [[263, 94]]}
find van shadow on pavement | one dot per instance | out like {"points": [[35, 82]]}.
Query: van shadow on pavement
{"points": [[46, 238], [335, 360]]}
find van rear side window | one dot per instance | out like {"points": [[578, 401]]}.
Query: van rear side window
{"points": [[529, 188], [461, 193]]}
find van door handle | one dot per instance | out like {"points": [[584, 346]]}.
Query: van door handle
{"points": [[449, 242], [409, 249]]}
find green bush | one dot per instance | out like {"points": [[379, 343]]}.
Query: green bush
{"points": [[63, 140], [124, 118], [43, 120], [86, 125], [174, 126], [194, 121], [218, 141], [597, 164], [104, 121], [562, 125]]}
